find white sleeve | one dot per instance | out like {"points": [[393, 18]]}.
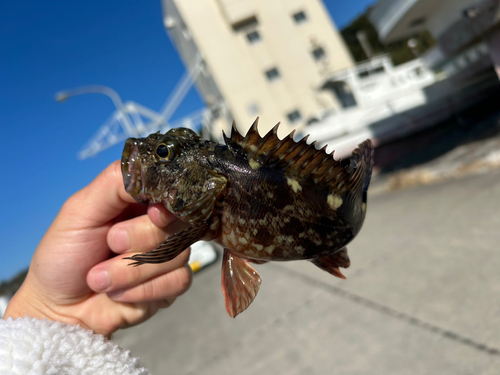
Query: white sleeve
{"points": [[33, 347]]}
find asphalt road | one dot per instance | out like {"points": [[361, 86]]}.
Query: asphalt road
{"points": [[422, 296]]}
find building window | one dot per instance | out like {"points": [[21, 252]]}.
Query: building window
{"points": [[253, 109], [253, 36], [294, 116], [319, 54], [371, 72], [342, 93], [249, 27], [300, 17], [418, 71], [245, 24], [363, 74], [273, 74]]}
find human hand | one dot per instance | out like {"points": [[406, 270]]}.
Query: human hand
{"points": [[78, 274]]}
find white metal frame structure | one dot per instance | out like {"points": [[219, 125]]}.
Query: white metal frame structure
{"points": [[131, 119]]}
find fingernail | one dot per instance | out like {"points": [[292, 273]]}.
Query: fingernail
{"points": [[121, 240], [163, 216], [115, 293], [101, 279]]}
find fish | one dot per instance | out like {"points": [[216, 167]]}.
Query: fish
{"points": [[261, 198]]}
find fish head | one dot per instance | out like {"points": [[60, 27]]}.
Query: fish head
{"points": [[173, 169], [153, 166]]}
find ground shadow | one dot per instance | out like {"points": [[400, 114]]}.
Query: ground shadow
{"points": [[479, 121]]}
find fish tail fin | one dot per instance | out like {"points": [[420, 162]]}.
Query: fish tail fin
{"points": [[361, 167]]}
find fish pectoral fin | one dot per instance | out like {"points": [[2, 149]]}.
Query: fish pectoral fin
{"points": [[172, 246], [332, 262], [240, 283]]}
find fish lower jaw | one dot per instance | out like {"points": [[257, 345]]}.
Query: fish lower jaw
{"points": [[141, 198], [135, 187], [139, 193]]}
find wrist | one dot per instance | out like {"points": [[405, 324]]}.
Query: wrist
{"points": [[26, 304]]}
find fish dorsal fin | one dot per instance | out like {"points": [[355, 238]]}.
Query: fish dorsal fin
{"points": [[299, 159]]}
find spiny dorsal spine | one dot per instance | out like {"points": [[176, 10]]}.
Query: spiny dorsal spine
{"points": [[303, 161]]}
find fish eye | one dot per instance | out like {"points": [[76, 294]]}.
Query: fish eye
{"points": [[164, 152], [167, 148]]}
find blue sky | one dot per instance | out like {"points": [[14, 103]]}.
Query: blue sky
{"points": [[48, 46]]}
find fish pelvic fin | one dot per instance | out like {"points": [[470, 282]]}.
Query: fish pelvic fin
{"points": [[332, 262], [240, 283], [172, 246]]}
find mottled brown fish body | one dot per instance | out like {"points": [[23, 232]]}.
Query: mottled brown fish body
{"points": [[279, 224], [261, 198], [267, 215]]}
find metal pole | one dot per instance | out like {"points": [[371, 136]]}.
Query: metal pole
{"points": [[365, 44], [62, 96]]}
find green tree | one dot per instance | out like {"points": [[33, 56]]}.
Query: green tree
{"points": [[11, 286]]}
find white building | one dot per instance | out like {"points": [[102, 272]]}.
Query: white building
{"points": [[284, 61], [261, 58]]}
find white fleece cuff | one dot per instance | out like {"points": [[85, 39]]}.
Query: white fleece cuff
{"points": [[33, 347]]}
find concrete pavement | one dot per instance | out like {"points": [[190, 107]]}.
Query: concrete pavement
{"points": [[422, 296]]}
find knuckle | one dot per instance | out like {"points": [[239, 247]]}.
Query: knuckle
{"points": [[125, 276], [171, 284], [155, 234], [183, 257], [147, 236], [135, 275], [183, 278], [149, 291], [113, 171], [73, 203]]}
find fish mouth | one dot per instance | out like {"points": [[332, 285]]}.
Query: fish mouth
{"points": [[132, 171]]}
